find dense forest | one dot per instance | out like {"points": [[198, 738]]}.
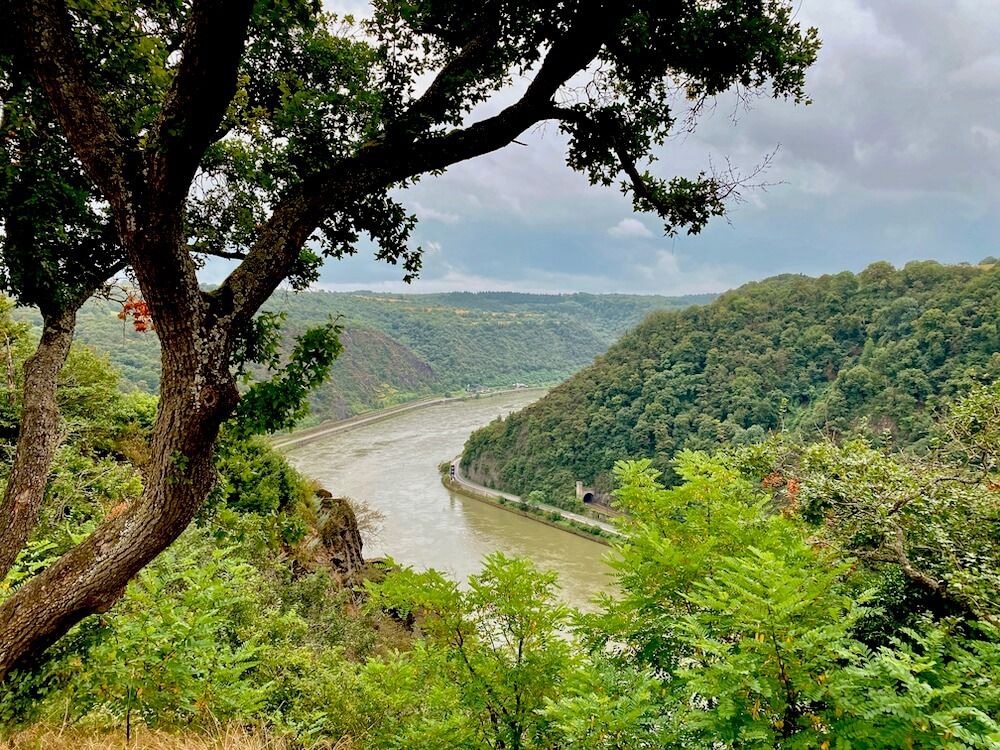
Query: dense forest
{"points": [[782, 594], [810, 356], [399, 347]]}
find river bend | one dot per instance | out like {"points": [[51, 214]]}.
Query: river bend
{"points": [[392, 466]]}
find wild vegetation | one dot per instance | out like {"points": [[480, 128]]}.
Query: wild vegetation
{"points": [[163, 569], [262, 564], [780, 594], [878, 351], [400, 347]]}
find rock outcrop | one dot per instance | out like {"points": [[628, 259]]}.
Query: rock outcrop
{"points": [[336, 544]]}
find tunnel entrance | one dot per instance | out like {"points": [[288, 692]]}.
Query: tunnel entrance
{"points": [[588, 497]]}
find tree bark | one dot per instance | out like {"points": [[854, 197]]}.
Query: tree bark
{"points": [[197, 389], [195, 399], [37, 439]]}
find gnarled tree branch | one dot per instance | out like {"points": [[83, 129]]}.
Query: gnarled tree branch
{"points": [[434, 103], [204, 84], [893, 551], [389, 161], [50, 46], [37, 438], [39, 433]]}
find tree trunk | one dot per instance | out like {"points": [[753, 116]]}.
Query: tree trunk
{"points": [[37, 439], [197, 395]]}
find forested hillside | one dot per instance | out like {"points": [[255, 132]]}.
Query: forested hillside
{"points": [[862, 615], [398, 347], [796, 353]]}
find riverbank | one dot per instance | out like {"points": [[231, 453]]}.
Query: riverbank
{"points": [[574, 523], [334, 426], [550, 515]]}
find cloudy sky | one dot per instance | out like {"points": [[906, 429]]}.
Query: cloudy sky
{"points": [[898, 158]]}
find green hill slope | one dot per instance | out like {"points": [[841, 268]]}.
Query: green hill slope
{"points": [[402, 346], [810, 354]]}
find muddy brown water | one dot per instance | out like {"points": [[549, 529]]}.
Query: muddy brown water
{"points": [[392, 466]]}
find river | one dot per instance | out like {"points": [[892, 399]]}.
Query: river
{"points": [[392, 466]]}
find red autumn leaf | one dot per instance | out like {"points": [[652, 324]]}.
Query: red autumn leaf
{"points": [[137, 309]]}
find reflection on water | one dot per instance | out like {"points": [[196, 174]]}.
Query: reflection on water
{"points": [[392, 465]]}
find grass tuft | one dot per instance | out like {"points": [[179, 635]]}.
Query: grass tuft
{"points": [[227, 738]]}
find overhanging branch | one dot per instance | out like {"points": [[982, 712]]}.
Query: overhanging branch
{"points": [[440, 95], [225, 254], [392, 160], [716, 188]]}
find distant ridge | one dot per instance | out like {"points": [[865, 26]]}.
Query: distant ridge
{"points": [[398, 347]]}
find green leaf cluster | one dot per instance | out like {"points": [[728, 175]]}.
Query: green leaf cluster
{"points": [[759, 625]]}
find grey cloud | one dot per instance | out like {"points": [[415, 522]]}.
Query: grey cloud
{"points": [[426, 213], [902, 94], [630, 228]]}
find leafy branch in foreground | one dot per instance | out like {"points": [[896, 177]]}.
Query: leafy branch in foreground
{"points": [[761, 626], [932, 517]]}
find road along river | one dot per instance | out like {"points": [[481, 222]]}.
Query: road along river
{"points": [[392, 464]]}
